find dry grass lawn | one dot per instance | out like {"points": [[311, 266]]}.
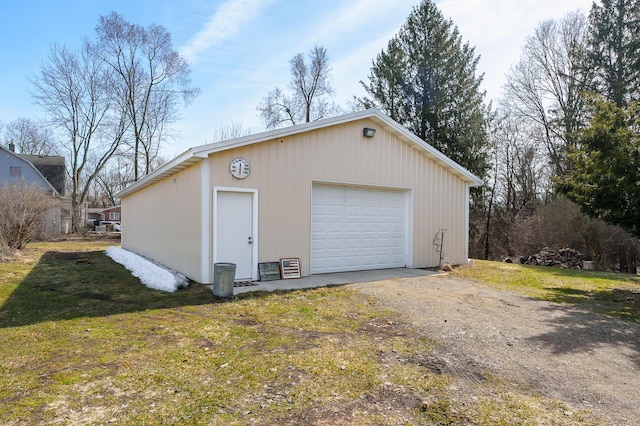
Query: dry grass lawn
{"points": [[83, 342]]}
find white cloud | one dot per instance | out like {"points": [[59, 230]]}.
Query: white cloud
{"points": [[498, 29], [354, 33], [353, 15], [225, 23], [358, 20]]}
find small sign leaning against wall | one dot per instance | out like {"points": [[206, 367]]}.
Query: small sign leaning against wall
{"points": [[269, 271], [290, 268]]}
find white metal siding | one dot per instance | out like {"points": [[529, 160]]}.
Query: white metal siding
{"points": [[356, 228], [163, 222]]}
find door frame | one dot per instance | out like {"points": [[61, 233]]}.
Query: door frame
{"points": [[254, 244]]}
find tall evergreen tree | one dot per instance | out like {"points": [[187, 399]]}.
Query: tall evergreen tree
{"points": [[614, 50], [605, 179], [605, 176], [426, 80]]}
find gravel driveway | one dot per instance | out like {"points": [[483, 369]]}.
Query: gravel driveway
{"points": [[588, 361]]}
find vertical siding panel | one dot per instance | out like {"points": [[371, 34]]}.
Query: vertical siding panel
{"points": [[438, 196], [450, 235], [390, 156], [425, 215], [428, 211]]}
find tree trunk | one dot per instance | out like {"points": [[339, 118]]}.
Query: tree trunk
{"points": [[76, 213]]}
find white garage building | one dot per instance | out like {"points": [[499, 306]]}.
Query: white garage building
{"points": [[328, 193]]}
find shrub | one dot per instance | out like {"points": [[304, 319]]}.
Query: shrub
{"points": [[23, 210], [558, 224]]}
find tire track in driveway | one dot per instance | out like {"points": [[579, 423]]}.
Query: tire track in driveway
{"points": [[589, 361]]}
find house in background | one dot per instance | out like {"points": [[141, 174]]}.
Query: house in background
{"points": [[93, 216], [47, 172], [347, 193], [101, 214], [14, 169], [52, 167], [96, 217], [112, 214]]}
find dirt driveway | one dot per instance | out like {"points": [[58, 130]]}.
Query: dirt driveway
{"points": [[588, 361]]}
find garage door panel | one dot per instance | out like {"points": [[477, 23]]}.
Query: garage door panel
{"points": [[357, 228]]}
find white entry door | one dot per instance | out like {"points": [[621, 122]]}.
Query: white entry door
{"points": [[234, 232]]}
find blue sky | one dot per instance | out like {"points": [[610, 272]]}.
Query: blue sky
{"points": [[240, 49]]}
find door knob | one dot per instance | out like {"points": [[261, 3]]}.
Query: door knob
{"points": [[250, 240]]}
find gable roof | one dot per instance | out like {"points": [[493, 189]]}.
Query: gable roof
{"points": [[52, 167], [199, 153], [20, 158]]}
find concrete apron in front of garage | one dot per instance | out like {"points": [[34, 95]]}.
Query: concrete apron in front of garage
{"points": [[338, 278]]}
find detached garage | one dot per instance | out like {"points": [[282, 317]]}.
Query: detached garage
{"points": [[347, 193]]}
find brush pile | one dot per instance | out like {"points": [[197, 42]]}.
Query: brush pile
{"points": [[563, 258]]}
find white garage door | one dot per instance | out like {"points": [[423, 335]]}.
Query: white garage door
{"points": [[354, 229]]}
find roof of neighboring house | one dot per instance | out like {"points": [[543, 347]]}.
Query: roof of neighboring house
{"points": [[101, 210], [197, 154], [52, 167], [35, 169]]}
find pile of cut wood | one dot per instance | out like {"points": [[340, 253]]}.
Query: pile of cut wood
{"points": [[562, 258]]}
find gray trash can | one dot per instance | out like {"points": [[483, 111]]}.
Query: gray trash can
{"points": [[223, 276]]}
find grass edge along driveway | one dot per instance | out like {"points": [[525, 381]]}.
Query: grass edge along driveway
{"points": [[615, 295]]}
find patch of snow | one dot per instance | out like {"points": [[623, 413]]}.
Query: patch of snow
{"points": [[150, 274]]}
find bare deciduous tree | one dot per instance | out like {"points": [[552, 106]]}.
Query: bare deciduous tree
{"points": [[545, 86], [311, 92], [30, 137], [230, 131], [150, 77], [115, 177], [121, 90], [23, 209], [514, 187], [73, 88], [522, 168]]}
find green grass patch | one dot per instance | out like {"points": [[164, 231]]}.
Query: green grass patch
{"points": [[615, 295], [83, 342]]}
